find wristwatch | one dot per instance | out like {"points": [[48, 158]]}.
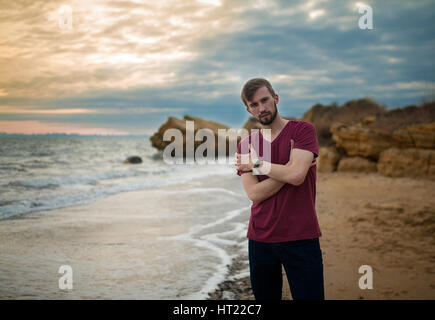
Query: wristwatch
{"points": [[255, 168]]}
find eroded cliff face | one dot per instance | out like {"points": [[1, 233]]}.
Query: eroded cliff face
{"points": [[323, 117], [397, 143]]}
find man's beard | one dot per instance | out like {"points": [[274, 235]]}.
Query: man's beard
{"points": [[269, 120]]}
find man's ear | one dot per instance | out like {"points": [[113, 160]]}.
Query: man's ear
{"points": [[247, 109], [276, 98]]}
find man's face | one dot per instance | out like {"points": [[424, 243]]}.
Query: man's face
{"points": [[263, 106]]}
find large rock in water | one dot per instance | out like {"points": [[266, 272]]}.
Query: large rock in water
{"points": [[174, 123], [133, 160], [412, 162]]}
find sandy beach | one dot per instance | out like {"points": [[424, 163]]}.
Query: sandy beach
{"points": [[366, 219]]}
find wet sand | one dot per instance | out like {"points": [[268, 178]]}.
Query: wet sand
{"points": [[366, 219], [122, 246]]}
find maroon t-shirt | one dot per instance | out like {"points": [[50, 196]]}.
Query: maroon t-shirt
{"points": [[290, 214]]}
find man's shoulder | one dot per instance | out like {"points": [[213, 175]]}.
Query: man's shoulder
{"points": [[301, 127], [301, 124]]}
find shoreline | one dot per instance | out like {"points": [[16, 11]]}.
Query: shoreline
{"points": [[123, 245], [365, 219]]}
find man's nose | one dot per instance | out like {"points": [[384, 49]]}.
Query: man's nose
{"points": [[262, 107]]}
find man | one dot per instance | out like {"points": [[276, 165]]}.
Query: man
{"points": [[283, 227]]}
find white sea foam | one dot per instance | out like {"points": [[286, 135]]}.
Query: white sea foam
{"points": [[217, 244], [203, 190], [121, 181]]}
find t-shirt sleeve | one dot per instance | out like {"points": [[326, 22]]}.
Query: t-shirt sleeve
{"points": [[239, 150], [306, 139]]}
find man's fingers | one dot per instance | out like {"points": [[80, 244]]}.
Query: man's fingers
{"points": [[237, 159], [291, 149]]}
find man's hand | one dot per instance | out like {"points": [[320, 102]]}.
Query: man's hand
{"points": [[245, 162]]}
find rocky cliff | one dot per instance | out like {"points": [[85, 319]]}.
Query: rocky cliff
{"points": [[396, 143], [323, 117]]}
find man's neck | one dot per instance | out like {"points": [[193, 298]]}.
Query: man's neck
{"points": [[276, 126]]}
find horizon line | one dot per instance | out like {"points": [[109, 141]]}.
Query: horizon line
{"points": [[73, 134]]}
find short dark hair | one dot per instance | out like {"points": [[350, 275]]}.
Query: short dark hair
{"points": [[252, 86]]}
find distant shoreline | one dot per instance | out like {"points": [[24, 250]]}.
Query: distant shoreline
{"points": [[68, 135]]}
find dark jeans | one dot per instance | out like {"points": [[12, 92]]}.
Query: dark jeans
{"points": [[303, 265]]}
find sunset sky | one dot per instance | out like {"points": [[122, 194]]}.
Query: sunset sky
{"points": [[123, 67]]}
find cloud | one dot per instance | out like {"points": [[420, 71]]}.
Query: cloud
{"points": [[40, 127], [134, 44], [128, 63], [57, 111]]}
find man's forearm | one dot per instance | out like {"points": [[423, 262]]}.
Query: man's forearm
{"points": [[284, 173], [260, 191]]}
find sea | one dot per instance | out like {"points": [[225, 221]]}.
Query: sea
{"points": [[47, 173]]}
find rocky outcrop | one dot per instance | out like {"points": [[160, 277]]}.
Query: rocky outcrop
{"points": [[328, 159], [412, 162], [323, 117], [402, 141], [133, 160], [159, 143], [416, 136], [369, 138], [360, 140], [358, 164], [399, 142]]}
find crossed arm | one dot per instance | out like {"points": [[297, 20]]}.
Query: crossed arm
{"points": [[293, 172], [259, 191]]}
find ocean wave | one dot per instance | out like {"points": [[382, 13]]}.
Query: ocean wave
{"points": [[41, 154], [203, 190], [216, 243], [12, 167], [85, 179], [55, 200], [82, 179]]}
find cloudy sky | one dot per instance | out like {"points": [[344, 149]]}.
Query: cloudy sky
{"points": [[123, 67]]}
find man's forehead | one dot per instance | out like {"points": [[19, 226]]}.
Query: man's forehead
{"points": [[260, 94]]}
